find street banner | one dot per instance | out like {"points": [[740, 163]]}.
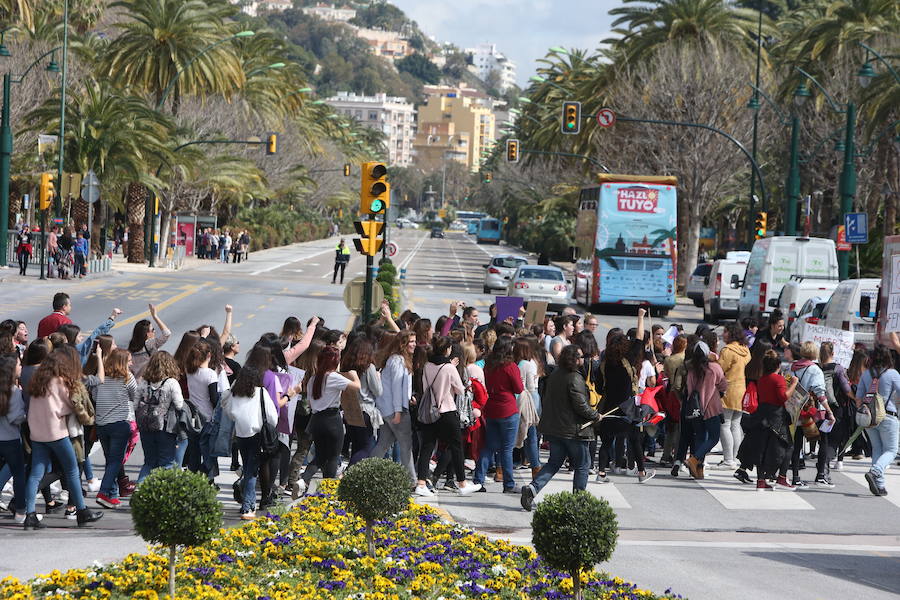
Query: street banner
{"points": [[891, 317], [508, 307], [534, 313], [842, 340]]}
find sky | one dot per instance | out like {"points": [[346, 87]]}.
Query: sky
{"points": [[522, 29]]}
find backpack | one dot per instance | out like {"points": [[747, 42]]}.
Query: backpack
{"points": [[594, 395], [871, 411], [148, 412], [750, 401], [429, 410], [692, 409], [831, 392]]}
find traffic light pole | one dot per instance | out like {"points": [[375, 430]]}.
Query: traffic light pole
{"points": [[43, 243], [370, 280]]}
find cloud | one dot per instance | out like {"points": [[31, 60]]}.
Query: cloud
{"points": [[522, 29]]}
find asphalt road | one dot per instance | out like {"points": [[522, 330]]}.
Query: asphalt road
{"points": [[710, 539]]}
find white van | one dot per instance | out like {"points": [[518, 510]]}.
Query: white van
{"points": [[720, 299], [797, 291], [772, 262], [842, 310]]}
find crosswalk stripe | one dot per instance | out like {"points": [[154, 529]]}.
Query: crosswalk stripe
{"points": [[734, 496], [607, 491]]}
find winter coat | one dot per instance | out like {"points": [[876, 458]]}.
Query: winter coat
{"points": [[733, 358], [565, 406]]}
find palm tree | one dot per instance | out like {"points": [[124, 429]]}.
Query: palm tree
{"points": [[19, 12], [160, 37]]}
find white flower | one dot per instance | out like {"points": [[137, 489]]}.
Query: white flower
{"points": [[498, 570]]}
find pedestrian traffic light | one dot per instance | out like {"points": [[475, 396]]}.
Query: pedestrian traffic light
{"points": [[47, 191], [571, 117], [368, 244], [272, 144], [488, 177], [346, 169], [760, 226], [375, 191], [512, 151]]}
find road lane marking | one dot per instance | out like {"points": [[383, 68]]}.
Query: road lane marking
{"points": [[415, 250], [161, 305], [156, 286], [607, 491], [251, 315], [721, 486], [290, 262], [462, 275]]}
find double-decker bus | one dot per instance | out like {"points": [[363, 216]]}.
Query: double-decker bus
{"points": [[488, 231], [625, 242]]}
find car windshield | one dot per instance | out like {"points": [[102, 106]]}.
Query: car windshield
{"points": [[509, 262], [548, 274]]}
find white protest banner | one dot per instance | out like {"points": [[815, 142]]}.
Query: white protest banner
{"points": [[842, 340], [892, 310]]}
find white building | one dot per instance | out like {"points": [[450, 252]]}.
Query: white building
{"points": [[393, 115], [257, 7], [330, 12], [487, 58]]}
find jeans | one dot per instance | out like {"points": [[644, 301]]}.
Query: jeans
{"points": [[884, 439], [531, 448], [159, 451], [41, 453], [731, 434], [80, 268], [14, 456], [250, 456], [706, 436], [362, 440], [500, 437], [400, 433], [670, 446], [114, 440], [181, 446], [561, 448], [209, 464], [447, 430]]}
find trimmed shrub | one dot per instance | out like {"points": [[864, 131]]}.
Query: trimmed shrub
{"points": [[175, 508], [374, 489], [574, 531]]}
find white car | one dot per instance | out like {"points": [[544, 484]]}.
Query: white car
{"points": [[697, 283], [809, 314], [499, 271], [540, 283]]}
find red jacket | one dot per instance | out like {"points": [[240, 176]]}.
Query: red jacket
{"points": [[474, 434], [51, 323]]}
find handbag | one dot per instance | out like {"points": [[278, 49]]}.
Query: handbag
{"points": [[222, 429], [268, 436], [82, 407]]}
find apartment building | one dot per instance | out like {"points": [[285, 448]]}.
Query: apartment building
{"points": [[392, 115], [455, 123], [487, 58]]}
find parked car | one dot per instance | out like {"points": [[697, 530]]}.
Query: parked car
{"points": [[842, 310], [437, 232], [809, 314], [540, 283], [720, 298], [797, 291], [772, 262], [499, 271], [697, 283]]}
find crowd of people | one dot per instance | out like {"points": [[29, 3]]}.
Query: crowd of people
{"points": [[445, 399], [221, 245], [68, 250]]}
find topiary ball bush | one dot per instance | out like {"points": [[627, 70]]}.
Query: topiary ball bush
{"points": [[175, 507], [574, 531], [375, 489]]}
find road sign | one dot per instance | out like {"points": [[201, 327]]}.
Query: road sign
{"points": [[90, 187], [606, 117], [856, 227], [354, 291], [392, 249], [842, 244]]}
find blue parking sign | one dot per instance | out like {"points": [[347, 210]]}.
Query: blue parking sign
{"points": [[856, 226]]}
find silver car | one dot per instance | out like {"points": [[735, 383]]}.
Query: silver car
{"points": [[498, 272], [697, 282], [540, 283]]}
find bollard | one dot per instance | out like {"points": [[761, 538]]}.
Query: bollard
{"points": [[402, 274]]}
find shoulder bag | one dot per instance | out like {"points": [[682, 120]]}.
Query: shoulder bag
{"points": [[268, 436]]}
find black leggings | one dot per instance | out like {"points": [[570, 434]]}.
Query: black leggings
{"points": [[327, 430], [632, 435], [445, 429], [342, 266]]}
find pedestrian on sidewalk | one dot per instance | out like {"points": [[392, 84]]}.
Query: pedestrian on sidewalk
{"points": [[52, 251], [82, 250], [24, 248], [341, 258], [565, 411]]}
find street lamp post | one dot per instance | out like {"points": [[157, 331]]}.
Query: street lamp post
{"points": [[755, 106], [62, 113]]}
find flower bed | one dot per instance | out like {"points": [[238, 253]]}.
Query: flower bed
{"points": [[317, 552]]}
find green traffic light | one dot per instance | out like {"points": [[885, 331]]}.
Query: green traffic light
{"points": [[377, 206], [570, 125]]}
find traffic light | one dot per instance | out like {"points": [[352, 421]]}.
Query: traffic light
{"points": [[375, 191], [512, 151], [368, 243], [760, 226], [346, 169], [571, 117], [272, 144], [488, 177], [47, 191]]}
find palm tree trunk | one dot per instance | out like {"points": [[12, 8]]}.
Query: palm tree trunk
{"points": [[134, 208]]}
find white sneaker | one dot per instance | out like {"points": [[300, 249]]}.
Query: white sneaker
{"points": [[725, 466], [631, 472], [93, 485], [298, 489], [55, 488], [8, 487], [838, 465], [469, 464], [470, 488], [423, 491], [20, 518]]}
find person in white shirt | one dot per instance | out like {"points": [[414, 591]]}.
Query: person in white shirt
{"points": [[246, 403]]}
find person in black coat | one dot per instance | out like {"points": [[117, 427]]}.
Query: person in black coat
{"points": [[566, 420]]}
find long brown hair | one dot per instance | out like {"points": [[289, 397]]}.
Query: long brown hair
{"points": [[501, 354], [105, 342], [162, 366], [399, 345], [188, 340], [57, 364], [328, 361], [116, 364], [7, 380], [197, 355], [358, 356]]}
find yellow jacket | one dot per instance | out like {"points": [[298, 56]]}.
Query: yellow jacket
{"points": [[733, 358]]}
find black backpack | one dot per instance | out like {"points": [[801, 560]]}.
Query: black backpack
{"points": [[148, 412]]}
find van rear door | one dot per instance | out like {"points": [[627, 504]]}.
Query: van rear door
{"points": [[818, 259]]}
